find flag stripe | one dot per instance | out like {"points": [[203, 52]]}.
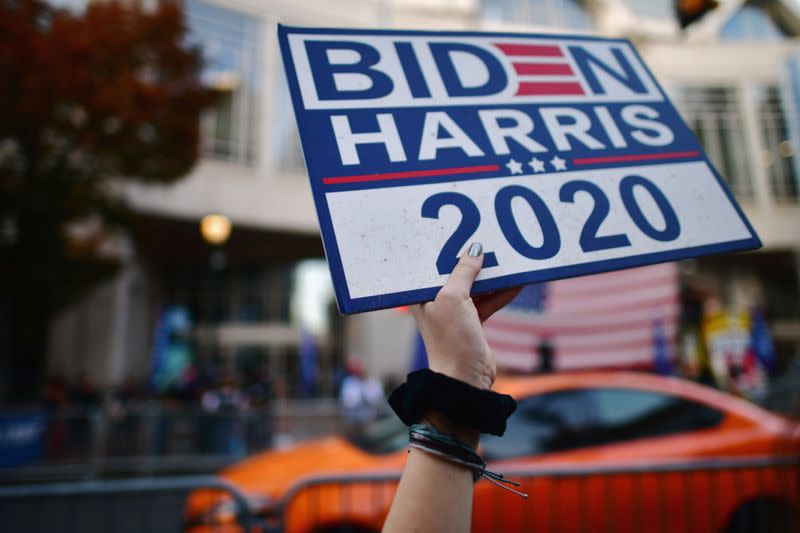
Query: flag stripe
{"points": [[623, 301], [571, 321], [582, 347], [639, 357], [548, 88], [612, 281], [610, 289], [540, 50], [543, 69], [626, 337], [571, 325], [610, 319], [603, 357], [577, 323]]}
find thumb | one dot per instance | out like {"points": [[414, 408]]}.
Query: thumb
{"points": [[466, 271]]}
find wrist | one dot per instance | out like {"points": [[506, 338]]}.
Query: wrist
{"points": [[476, 374], [465, 434]]}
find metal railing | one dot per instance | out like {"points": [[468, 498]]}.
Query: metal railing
{"points": [[119, 506], [729, 495], [737, 495], [86, 443]]}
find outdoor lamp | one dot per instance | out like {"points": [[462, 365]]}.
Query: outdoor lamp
{"points": [[215, 228]]}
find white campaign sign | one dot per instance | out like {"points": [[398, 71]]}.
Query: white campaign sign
{"points": [[562, 155], [367, 248]]}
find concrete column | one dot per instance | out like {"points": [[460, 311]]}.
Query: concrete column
{"points": [[755, 142], [119, 334]]}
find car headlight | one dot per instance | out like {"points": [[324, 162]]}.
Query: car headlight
{"points": [[223, 512], [226, 511]]}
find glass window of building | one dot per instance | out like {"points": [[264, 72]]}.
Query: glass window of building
{"points": [[557, 13], [274, 300], [751, 23], [656, 9], [716, 118], [778, 156], [230, 42], [287, 154]]}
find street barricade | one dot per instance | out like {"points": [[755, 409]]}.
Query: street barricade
{"points": [[76, 442], [707, 495], [109, 506]]}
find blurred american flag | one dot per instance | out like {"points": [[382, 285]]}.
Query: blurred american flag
{"points": [[611, 320]]}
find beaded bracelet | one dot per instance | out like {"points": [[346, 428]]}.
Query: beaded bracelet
{"points": [[431, 440]]}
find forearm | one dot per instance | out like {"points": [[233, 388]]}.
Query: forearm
{"points": [[445, 487], [448, 406]]}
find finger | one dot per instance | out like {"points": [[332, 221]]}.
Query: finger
{"points": [[465, 272], [489, 304], [415, 310]]}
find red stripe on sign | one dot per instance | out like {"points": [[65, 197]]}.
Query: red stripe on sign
{"points": [[539, 50], [543, 69], [638, 157], [548, 88], [410, 174]]}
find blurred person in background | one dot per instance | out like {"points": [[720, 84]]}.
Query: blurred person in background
{"points": [[260, 394], [545, 353], [223, 426], [360, 397]]}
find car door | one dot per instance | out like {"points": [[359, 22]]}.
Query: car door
{"points": [[538, 428], [583, 433]]}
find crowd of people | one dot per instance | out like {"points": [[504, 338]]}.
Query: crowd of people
{"points": [[222, 411]]}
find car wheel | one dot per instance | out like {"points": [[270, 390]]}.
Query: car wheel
{"points": [[764, 515]]}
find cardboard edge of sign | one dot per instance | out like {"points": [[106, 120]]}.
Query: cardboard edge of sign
{"points": [[348, 305]]}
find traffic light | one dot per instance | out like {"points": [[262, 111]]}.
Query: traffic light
{"points": [[689, 11]]}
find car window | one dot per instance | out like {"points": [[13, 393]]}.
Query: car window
{"points": [[542, 424], [625, 414], [580, 418]]}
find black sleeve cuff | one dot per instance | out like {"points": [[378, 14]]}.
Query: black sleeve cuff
{"points": [[425, 390]]}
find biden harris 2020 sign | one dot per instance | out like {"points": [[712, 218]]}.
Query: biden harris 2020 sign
{"points": [[561, 154]]}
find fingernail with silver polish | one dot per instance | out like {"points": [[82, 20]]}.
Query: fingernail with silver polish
{"points": [[475, 249]]}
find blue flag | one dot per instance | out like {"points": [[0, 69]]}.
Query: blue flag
{"points": [[420, 359], [761, 341], [173, 322], [662, 363], [308, 364]]}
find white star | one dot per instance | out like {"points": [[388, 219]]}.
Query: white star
{"points": [[558, 163], [536, 164], [514, 167]]}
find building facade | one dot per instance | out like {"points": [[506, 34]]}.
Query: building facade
{"points": [[735, 75]]}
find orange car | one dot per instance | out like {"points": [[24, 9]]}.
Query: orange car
{"points": [[595, 451]]}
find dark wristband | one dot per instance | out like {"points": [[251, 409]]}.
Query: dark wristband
{"points": [[426, 390]]}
